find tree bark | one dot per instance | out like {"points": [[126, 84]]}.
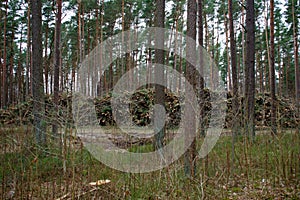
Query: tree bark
{"points": [[37, 73], [249, 70], [56, 66], [297, 68], [159, 74], [4, 70], [45, 56], [235, 103], [201, 79], [28, 54], [229, 86], [272, 69], [10, 95], [190, 125], [243, 87]]}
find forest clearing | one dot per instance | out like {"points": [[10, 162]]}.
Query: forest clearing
{"points": [[140, 99]]}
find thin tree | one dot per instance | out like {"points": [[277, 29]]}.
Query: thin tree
{"points": [[201, 79], [272, 69], [229, 85], [243, 64], [249, 69], [297, 70], [10, 91], [4, 69], [37, 73], [28, 54], [57, 64], [159, 71], [235, 104], [190, 125]]}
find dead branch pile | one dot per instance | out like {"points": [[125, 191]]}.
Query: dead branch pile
{"points": [[140, 107]]}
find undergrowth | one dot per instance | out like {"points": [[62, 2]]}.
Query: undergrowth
{"points": [[267, 168]]}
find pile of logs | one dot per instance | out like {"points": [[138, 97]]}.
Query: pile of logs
{"points": [[140, 107]]}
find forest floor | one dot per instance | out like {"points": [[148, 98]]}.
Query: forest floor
{"points": [[268, 168]]}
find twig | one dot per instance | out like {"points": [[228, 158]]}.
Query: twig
{"points": [[63, 197], [91, 190]]}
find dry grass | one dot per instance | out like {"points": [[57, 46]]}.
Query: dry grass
{"points": [[269, 168]]}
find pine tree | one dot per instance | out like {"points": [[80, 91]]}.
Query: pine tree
{"points": [[272, 69], [159, 72], [37, 73], [190, 125], [249, 69], [57, 58]]}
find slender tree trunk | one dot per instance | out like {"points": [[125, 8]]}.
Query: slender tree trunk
{"points": [[175, 55], [37, 73], [206, 32], [102, 76], [249, 69], [243, 87], [279, 71], [229, 86], [88, 52], [11, 95], [19, 76], [272, 69], [235, 103], [1, 65], [287, 76], [296, 62], [260, 67], [97, 23], [57, 66], [80, 36], [45, 56], [159, 75], [4, 70], [28, 54], [123, 30], [201, 78], [190, 125]]}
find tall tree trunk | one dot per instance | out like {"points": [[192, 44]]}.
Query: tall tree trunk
{"points": [[97, 23], [4, 70], [229, 86], [80, 36], [235, 103], [28, 53], [190, 125], [123, 30], [287, 76], [243, 64], [57, 66], [272, 69], [206, 32], [1, 67], [159, 74], [279, 71], [11, 98], [249, 69], [260, 67], [19, 76], [45, 56], [296, 62], [37, 73], [201, 79]]}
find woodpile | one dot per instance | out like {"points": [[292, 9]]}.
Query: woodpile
{"points": [[286, 112], [140, 106]]}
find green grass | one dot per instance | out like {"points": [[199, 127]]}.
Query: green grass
{"points": [[267, 168], [141, 149]]}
